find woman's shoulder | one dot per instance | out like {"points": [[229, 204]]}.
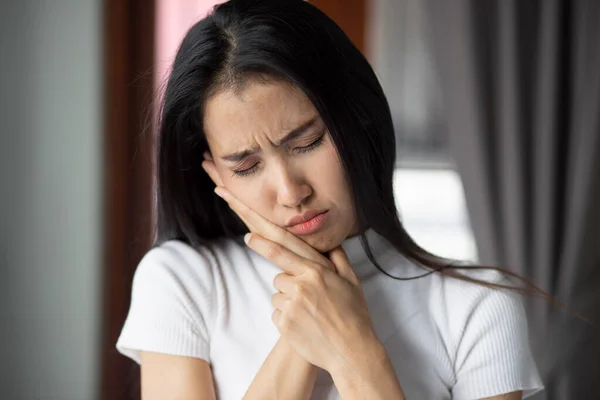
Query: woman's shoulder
{"points": [[181, 255], [461, 307], [176, 296], [452, 285], [179, 263], [485, 332]]}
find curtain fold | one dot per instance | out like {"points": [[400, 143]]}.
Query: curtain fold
{"points": [[521, 88]]}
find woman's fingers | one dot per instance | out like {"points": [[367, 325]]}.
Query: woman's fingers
{"points": [[280, 301], [276, 316], [342, 265], [285, 283], [211, 170], [289, 261], [273, 232]]}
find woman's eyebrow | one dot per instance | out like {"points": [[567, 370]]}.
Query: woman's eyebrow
{"points": [[293, 134]]}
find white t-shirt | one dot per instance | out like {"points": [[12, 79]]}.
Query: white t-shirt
{"points": [[447, 339]]}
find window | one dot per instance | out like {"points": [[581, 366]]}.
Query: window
{"points": [[428, 190], [432, 208]]}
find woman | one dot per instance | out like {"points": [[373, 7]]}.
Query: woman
{"points": [[274, 123]]}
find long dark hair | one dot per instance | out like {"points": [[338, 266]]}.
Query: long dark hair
{"points": [[289, 40]]}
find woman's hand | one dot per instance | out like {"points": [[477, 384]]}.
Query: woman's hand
{"points": [[320, 308], [323, 315]]}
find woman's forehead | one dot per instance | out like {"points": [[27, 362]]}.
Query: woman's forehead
{"points": [[234, 118]]}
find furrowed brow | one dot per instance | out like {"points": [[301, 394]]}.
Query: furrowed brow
{"points": [[293, 134]]}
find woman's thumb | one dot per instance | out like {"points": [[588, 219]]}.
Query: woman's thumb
{"points": [[342, 265]]}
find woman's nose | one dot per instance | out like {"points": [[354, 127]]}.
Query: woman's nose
{"points": [[292, 189]]}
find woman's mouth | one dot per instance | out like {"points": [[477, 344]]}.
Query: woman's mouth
{"points": [[308, 225]]}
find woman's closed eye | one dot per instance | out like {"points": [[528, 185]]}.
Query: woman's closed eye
{"points": [[312, 146], [300, 150], [246, 172]]}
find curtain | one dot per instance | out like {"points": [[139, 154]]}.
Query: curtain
{"points": [[520, 81]]}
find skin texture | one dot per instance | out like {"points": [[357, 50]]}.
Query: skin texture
{"points": [[286, 180], [164, 376]]}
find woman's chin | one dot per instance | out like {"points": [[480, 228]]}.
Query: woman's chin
{"points": [[323, 243]]}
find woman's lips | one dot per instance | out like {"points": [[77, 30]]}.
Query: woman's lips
{"points": [[310, 225], [307, 215]]}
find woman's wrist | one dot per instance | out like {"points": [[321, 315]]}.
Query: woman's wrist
{"points": [[368, 373], [370, 352], [283, 374]]}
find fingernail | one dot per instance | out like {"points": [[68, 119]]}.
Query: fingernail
{"points": [[247, 237], [219, 192]]}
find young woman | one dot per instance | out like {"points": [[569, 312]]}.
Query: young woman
{"points": [[273, 123]]}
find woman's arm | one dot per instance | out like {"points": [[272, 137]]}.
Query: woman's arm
{"points": [[165, 376], [283, 375], [377, 380], [366, 379], [380, 382]]}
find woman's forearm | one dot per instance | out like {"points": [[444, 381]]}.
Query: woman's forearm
{"points": [[366, 379], [283, 375]]}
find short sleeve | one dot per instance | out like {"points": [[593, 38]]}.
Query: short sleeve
{"points": [[173, 304], [489, 341]]}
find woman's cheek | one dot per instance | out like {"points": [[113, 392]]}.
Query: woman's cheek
{"points": [[251, 193], [327, 168], [233, 184]]}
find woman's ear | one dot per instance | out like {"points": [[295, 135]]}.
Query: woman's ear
{"points": [[211, 169]]}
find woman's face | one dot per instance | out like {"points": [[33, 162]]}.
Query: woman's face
{"points": [[274, 153]]}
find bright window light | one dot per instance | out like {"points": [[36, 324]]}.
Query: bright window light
{"points": [[433, 210]]}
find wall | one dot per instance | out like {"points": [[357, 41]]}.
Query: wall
{"points": [[174, 19], [50, 225]]}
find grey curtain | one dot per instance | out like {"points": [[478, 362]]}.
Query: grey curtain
{"points": [[521, 88]]}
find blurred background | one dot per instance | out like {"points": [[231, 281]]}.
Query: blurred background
{"points": [[496, 106]]}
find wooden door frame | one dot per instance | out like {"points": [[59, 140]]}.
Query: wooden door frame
{"points": [[350, 15], [128, 146]]}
